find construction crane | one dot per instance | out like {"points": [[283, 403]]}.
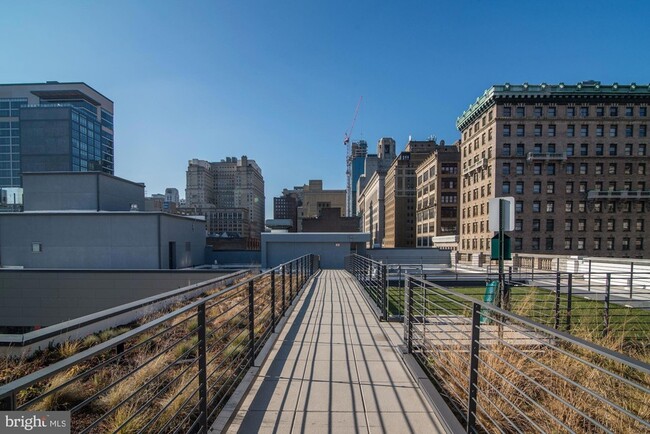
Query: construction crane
{"points": [[348, 161]]}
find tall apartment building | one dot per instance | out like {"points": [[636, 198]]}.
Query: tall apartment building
{"points": [[437, 189], [400, 194], [53, 127], [575, 159], [286, 208], [370, 188], [225, 191]]}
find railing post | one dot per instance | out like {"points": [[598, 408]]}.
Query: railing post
{"points": [[473, 368], [284, 293], [203, 382], [290, 283], [608, 284], [251, 323], [569, 301], [631, 278], [384, 290], [558, 293], [408, 317], [589, 281], [273, 301]]}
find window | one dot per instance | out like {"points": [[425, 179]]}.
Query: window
{"points": [[519, 206], [537, 206], [505, 170], [643, 130], [505, 150], [581, 243], [519, 170], [570, 150], [521, 130], [629, 131], [521, 111], [599, 168], [641, 169], [583, 187], [568, 207], [611, 225], [535, 244], [570, 130], [552, 111], [536, 225], [507, 111], [598, 207], [549, 243], [596, 243], [582, 225], [569, 169], [550, 169], [568, 225], [505, 188], [600, 149], [584, 167], [584, 149], [520, 150], [537, 187], [537, 169], [600, 131], [537, 148], [506, 131], [598, 225], [570, 112], [519, 187], [639, 244], [610, 243], [612, 169], [550, 206], [37, 247], [639, 225], [550, 187], [641, 150], [582, 206], [519, 225], [629, 111], [584, 111], [567, 244], [584, 130], [551, 148], [600, 111], [569, 187], [613, 110], [538, 130], [625, 244], [551, 131], [537, 111], [643, 111], [550, 225], [613, 130]]}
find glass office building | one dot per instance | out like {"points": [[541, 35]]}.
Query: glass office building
{"points": [[53, 127]]}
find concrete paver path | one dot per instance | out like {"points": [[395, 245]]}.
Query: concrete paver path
{"points": [[334, 369]]}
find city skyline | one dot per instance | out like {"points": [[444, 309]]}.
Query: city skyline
{"points": [[229, 79]]}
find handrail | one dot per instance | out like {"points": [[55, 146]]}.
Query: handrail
{"points": [[173, 372]]}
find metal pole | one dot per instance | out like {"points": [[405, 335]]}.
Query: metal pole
{"points": [[473, 368], [569, 301], [631, 278], [290, 283], [203, 382], [384, 290], [284, 293], [606, 312], [589, 282], [408, 316], [557, 301], [273, 300], [251, 324], [505, 296]]}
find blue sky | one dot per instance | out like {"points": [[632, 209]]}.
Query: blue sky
{"points": [[278, 81]]}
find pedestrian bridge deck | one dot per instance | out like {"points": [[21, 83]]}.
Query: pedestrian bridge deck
{"points": [[335, 368]]}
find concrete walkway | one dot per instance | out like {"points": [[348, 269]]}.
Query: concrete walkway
{"points": [[335, 369]]}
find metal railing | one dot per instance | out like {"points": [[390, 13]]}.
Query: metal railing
{"points": [[502, 372], [372, 277], [173, 373]]}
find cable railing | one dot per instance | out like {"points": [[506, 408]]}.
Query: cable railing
{"points": [[173, 373], [502, 372]]}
